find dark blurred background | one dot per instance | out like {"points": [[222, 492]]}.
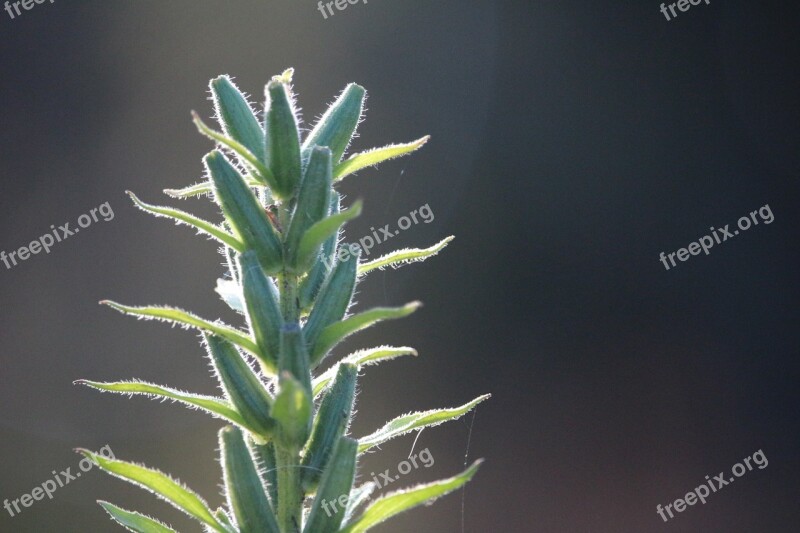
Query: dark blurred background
{"points": [[572, 142]]}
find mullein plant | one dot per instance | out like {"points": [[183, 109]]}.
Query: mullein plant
{"points": [[285, 451]]}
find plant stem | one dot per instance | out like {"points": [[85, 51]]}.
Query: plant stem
{"points": [[290, 497], [290, 491]]}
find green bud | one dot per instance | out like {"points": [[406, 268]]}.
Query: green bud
{"points": [[241, 385], [336, 482], [236, 116], [243, 212], [263, 311], [292, 412], [336, 127], [330, 424], [282, 139], [333, 299], [246, 494], [294, 355], [313, 200]]}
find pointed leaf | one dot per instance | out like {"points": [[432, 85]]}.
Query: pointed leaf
{"points": [[310, 243], [335, 333], [136, 522], [333, 299], [403, 424], [184, 318], [244, 213], [254, 165], [241, 385], [159, 484], [375, 156], [182, 217], [330, 424], [326, 515], [313, 200], [263, 311], [283, 139], [247, 496], [336, 127], [206, 187], [216, 406], [236, 116], [400, 501], [402, 257], [361, 358]]}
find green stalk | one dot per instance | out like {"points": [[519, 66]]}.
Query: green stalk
{"points": [[290, 496], [290, 491]]}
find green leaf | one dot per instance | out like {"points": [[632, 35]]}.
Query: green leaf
{"points": [[330, 424], [246, 494], [403, 424], [375, 156], [312, 283], [244, 213], [335, 333], [326, 513], [313, 200], [136, 522], [397, 502], [333, 299], [206, 187], [231, 294], [182, 217], [186, 319], [282, 139], [310, 243], [292, 411], [216, 406], [159, 484], [263, 311], [260, 171], [294, 355], [236, 116], [241, 385], [336, 127], [402, 257], [361, 358]]}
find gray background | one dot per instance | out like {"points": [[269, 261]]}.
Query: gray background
{"points": [[571, 144]]}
